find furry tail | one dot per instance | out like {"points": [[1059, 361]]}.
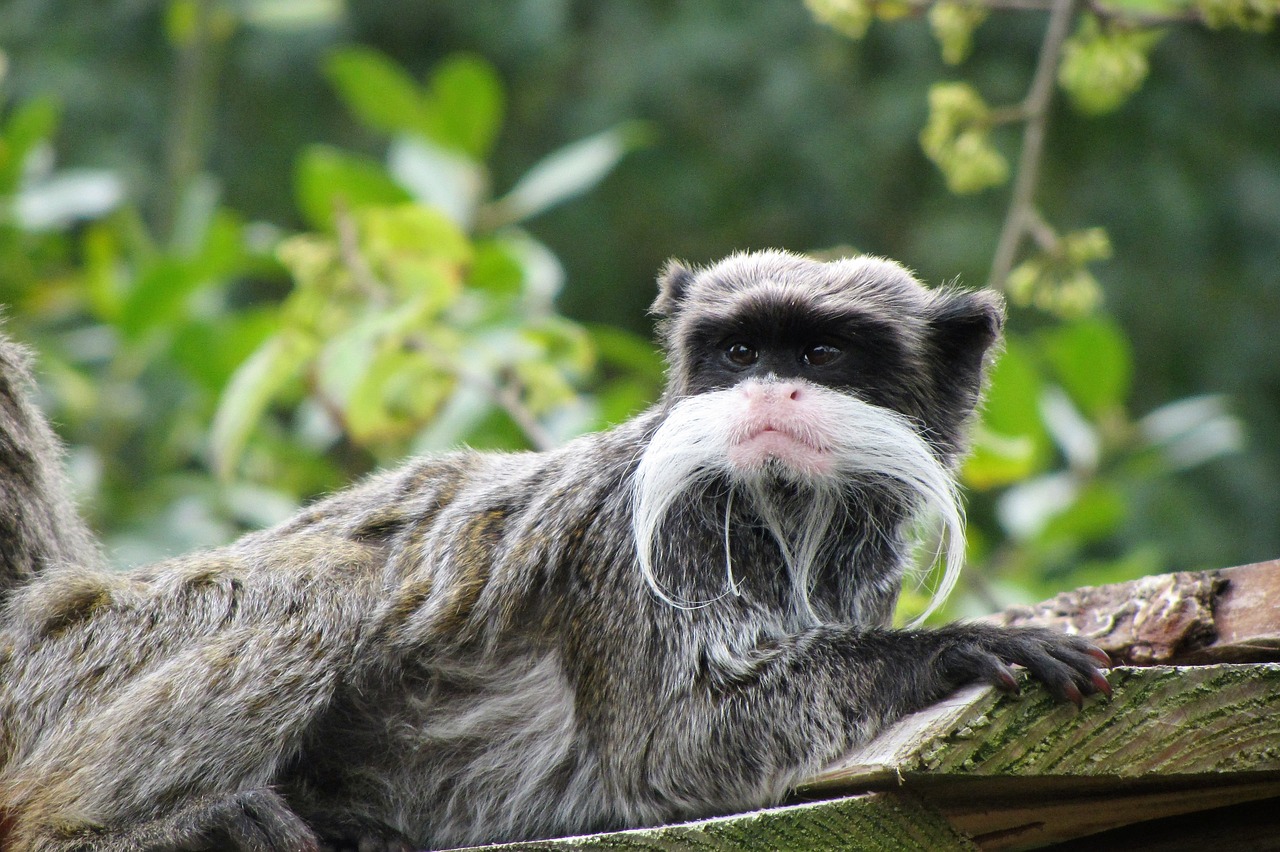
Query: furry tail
{"points": [[39, 524]]}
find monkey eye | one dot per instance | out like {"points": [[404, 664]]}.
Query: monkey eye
{"points": [[741, 354], [820, 354]]}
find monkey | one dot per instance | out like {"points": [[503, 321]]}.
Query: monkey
{"points": [[682, 616], [39, 524]]}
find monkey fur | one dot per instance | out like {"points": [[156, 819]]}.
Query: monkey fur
{"points": [[679, 617], [39, 525]]}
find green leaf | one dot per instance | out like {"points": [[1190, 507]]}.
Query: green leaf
{"points": [[623, 399], [438, 177], [347, 355], [563, 342], [378, 91], [567, 173], [293, 16], [1011, 406], [632, 353], [1096, 514], [182, 21], [320, 281], [494, 270], [956, 137], [1193, 430], [416, 250], [29, 124], [252, 387], [1102, 66], [464, 105], [1092, 361], [1167, 7], [326, 178], [397, 393], [997, 460], [849, 17], [457, 421], [544, 386], [1059, 283], [210, 350], [1142, 561], [104, 279], [159, 296], [1255, 15], [953, 24]]}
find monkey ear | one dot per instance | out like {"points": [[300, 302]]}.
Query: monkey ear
{"points": [[963, 327], [672, 284]]}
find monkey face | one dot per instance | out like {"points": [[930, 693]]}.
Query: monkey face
{"points": [[798, 386], [861, 326], [795, 455]]}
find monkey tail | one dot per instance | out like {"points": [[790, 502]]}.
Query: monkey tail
{"points": [[39, 523]]}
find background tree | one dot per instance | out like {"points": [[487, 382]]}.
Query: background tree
{"points": [[230, 215]]}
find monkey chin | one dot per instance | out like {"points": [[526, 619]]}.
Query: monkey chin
{"points": [[779, 452], [781, 428]]}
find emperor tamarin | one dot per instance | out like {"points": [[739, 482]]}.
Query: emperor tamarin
{"points": [[682, 616]]}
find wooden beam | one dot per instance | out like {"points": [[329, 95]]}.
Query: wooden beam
{"points": [[1016, 772], [869, 823], [1160, 721], [1201, 617]]}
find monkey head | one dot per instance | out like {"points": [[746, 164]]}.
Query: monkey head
{"points": [[798, 383]]}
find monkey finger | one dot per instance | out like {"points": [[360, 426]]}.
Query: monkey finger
{"points": [[1064, 680], [1101, 656], [1086, 674], [1002, 676]]}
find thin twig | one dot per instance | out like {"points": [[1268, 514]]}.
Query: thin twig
{"points": [[506, 396], [187, 143], [1007, 115], [362, 274], [1036, 107], [1042, 232]]}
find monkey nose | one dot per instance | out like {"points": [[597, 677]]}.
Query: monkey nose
{"points": [[770, 392]]}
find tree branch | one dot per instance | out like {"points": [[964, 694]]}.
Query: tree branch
{"points": [[193, 102], [1036, 108]]}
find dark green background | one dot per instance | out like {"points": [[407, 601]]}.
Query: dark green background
{"points": [[771, 130]]}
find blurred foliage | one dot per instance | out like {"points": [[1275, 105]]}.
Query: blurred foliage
{"points": [[957, 139], [419, 315], [430, 275], [1058, 457]]}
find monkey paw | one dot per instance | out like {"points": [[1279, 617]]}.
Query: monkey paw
{"points": [[1069, 666]]}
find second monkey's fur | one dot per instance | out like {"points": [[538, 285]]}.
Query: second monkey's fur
{"points": [[682, 616]]}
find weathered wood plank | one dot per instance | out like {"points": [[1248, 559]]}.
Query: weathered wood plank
{"points": [[868, 823], [1246, 616], [1227, 616], [1020, 772], [1024, 817], [1162, 720]]}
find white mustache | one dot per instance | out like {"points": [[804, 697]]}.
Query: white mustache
{"points": [[854, 440]]}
